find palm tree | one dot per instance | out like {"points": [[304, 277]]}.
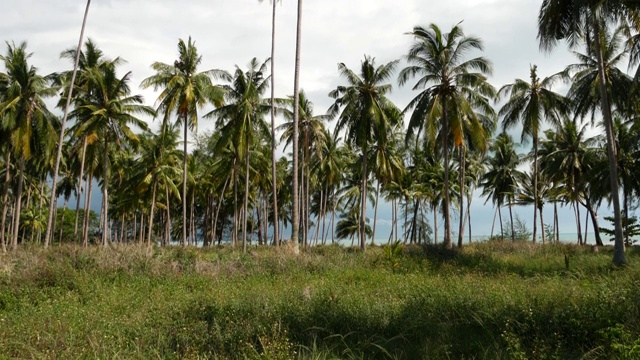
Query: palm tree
{"points": [[569, 19], [112, 110], [273, 123], [447, 83], [52, 203], [184, 91], [312, 137], [367, 115], [531, 103], [241, 120], [500, 182], [91, 57], [157, 166], [24, 114], [563, 158], [295, 219]]}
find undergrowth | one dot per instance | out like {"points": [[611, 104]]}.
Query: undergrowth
{"points": [[493, 300]]}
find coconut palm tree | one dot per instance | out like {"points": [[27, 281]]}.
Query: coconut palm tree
{"points": [[24, 115], [241, 119], [530, 104], [273, 121], [295, 219], [500, 182], [312, 137], [113, 111], [90, 57], [448, 85], [49, 230], [571, 19], [367, 115], [564, 153], [184, 92]]}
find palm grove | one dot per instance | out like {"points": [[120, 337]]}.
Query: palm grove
{"points": [[425, 158]]}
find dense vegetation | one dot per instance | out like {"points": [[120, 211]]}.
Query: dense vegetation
{"points": [[495, 300], [228, 187]]}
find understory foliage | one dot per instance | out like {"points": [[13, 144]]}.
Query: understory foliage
{"points": [[492, 300]]}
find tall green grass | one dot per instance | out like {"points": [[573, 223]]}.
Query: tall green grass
{"points": [[495, 300]]}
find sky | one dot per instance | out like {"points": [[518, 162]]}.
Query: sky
{"points": [[231, 32]]}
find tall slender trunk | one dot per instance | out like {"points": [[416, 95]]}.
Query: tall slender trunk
{"points": [[236, 213], [79, 193], [501, 227], [513, 233], [542, 225], [167, 234], [594, 221], [56, 167], [435, 225], [105, 194], [578, 227], [462, 188], [151, 212], [5, 201], [87, 213], [363, 213], [273, 126], [375, 214], [18, 207], [246, 201], [184, 185], [220, 202], [296, 105], [586, 226], [535, 186], [493, 224], [619, 257], [64, 210], [445, 150], [556, 224]]}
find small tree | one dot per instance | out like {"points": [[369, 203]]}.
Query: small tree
{"points": [[630, 229]]}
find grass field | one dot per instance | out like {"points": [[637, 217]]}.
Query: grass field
{"points": [[494, 300]]}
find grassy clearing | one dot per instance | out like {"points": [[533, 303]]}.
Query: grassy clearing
{"points": [[490, 300]]}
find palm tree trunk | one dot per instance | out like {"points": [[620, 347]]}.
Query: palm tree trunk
{"points": [[56, 167], [462, 188], [619, 257], [84, 151], [578, 227], [445, 150], [5, 201], [501, 228], [535, 186], [586, 226], [87, 213], [542, 225], [64, 210], [18, 207], [363, 213], [594, 221], [513, 233], [296, 105], [273, 126], [435, 224], [105, 195], [167, 232], [220, 202], [493, 224], [375, 214], [246, 201], [556, 223], [184, 185], [153, 206]]}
